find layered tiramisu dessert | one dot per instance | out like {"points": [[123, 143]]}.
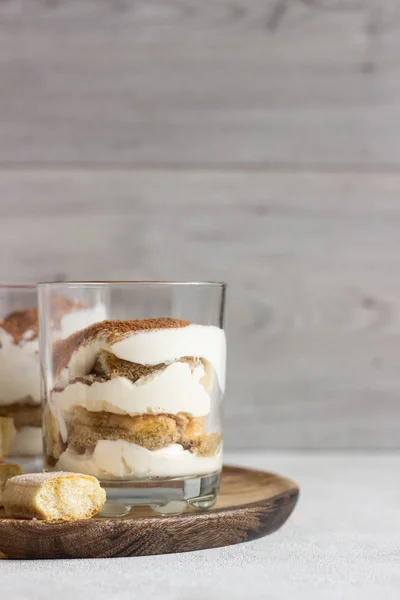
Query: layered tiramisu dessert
{"points": [[20, 381], [137, 400], [20, 369]]}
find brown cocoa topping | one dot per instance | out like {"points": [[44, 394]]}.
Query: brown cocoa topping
{"points": [[18, 322], [109, 331]]}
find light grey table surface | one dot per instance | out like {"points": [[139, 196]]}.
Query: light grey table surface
{"points": [[342, 542]]}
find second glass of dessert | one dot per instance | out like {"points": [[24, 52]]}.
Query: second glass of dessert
{"points": [[20, 397], [134, 399], [20, 410]]}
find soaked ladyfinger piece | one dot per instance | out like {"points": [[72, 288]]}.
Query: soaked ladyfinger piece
{"points": [[7, 470], [7, 434], [53, 496]]}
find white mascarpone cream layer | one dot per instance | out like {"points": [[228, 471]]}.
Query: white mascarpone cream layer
{"points": [[173, 390], [152, 347], [122, 460], [163, 345], [27, 442], [19, 370]]}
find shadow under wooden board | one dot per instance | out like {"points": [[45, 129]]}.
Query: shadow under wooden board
{"points": [[252, 504]]}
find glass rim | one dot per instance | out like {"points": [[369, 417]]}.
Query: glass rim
{"points": [[220, 284], [18, 286]]}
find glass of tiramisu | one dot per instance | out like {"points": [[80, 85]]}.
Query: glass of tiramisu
{"points": [[134, 398], [20, 397], [20, 410]]}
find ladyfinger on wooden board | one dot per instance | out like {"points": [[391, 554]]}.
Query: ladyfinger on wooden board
{"points": [[53, 496], [7, 470], [7, 434]]}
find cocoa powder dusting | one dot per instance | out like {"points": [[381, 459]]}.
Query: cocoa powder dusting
{"points": [[18, 322], [109, 331]]}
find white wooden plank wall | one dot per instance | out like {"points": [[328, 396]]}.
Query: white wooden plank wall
{"points": [[253, 141]]}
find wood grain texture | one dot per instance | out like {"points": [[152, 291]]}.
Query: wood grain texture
{"points": [[215, 83], [312, 261], [238, 87], [252, 504]]}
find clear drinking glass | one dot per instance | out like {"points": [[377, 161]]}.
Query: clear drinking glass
{"points": [[134, 399], [20, 409]]}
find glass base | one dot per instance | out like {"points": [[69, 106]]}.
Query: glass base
{"points": [[162, 496]]}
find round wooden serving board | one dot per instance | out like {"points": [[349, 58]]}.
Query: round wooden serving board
{"points": [[251, 504]]}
